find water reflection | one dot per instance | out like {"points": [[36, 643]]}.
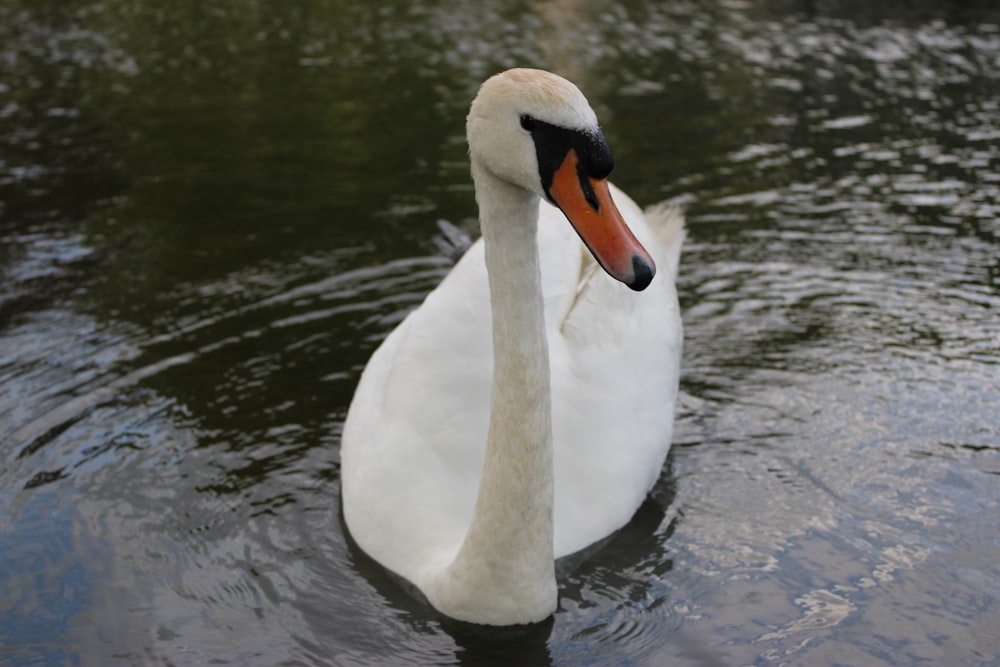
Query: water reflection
{"points": [[212, 213]]}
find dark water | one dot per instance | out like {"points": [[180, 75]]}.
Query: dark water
{"points": [[212, 212]]}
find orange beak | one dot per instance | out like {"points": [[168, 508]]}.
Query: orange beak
{"points": [[587, 203]]}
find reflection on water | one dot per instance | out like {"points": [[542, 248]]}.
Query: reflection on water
{"points": [[210, 215]]}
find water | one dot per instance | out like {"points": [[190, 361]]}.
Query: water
{"points": [[211, 213]]}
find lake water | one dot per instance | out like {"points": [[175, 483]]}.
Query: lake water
{"points": [[211, 213]]}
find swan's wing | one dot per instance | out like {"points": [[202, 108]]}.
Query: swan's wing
{"points": [[615, 369], [405, 483]]}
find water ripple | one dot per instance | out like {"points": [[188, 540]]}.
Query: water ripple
{"points": [[195, 271]]}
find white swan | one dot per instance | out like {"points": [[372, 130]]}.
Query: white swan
{"points": [[524, 410]]}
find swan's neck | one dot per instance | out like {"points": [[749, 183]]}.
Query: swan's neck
{"points": [[504, 570]]}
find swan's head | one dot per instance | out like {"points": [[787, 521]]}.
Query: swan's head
{"points": [[535, 130]]}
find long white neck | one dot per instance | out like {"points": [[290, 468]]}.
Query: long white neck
{"points": [[504, 570]]}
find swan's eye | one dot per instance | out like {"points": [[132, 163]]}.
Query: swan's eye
{"points": [[527, 122]]}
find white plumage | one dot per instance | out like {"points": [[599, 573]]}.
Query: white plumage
{"points": [[418, 430]]}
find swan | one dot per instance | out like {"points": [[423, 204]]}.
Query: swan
{"points": [[524, 410]]}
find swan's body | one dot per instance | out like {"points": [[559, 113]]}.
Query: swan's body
{"points": [[467, 479]]}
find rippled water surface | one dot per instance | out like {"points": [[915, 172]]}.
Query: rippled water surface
{"points": [[212, 212]]}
